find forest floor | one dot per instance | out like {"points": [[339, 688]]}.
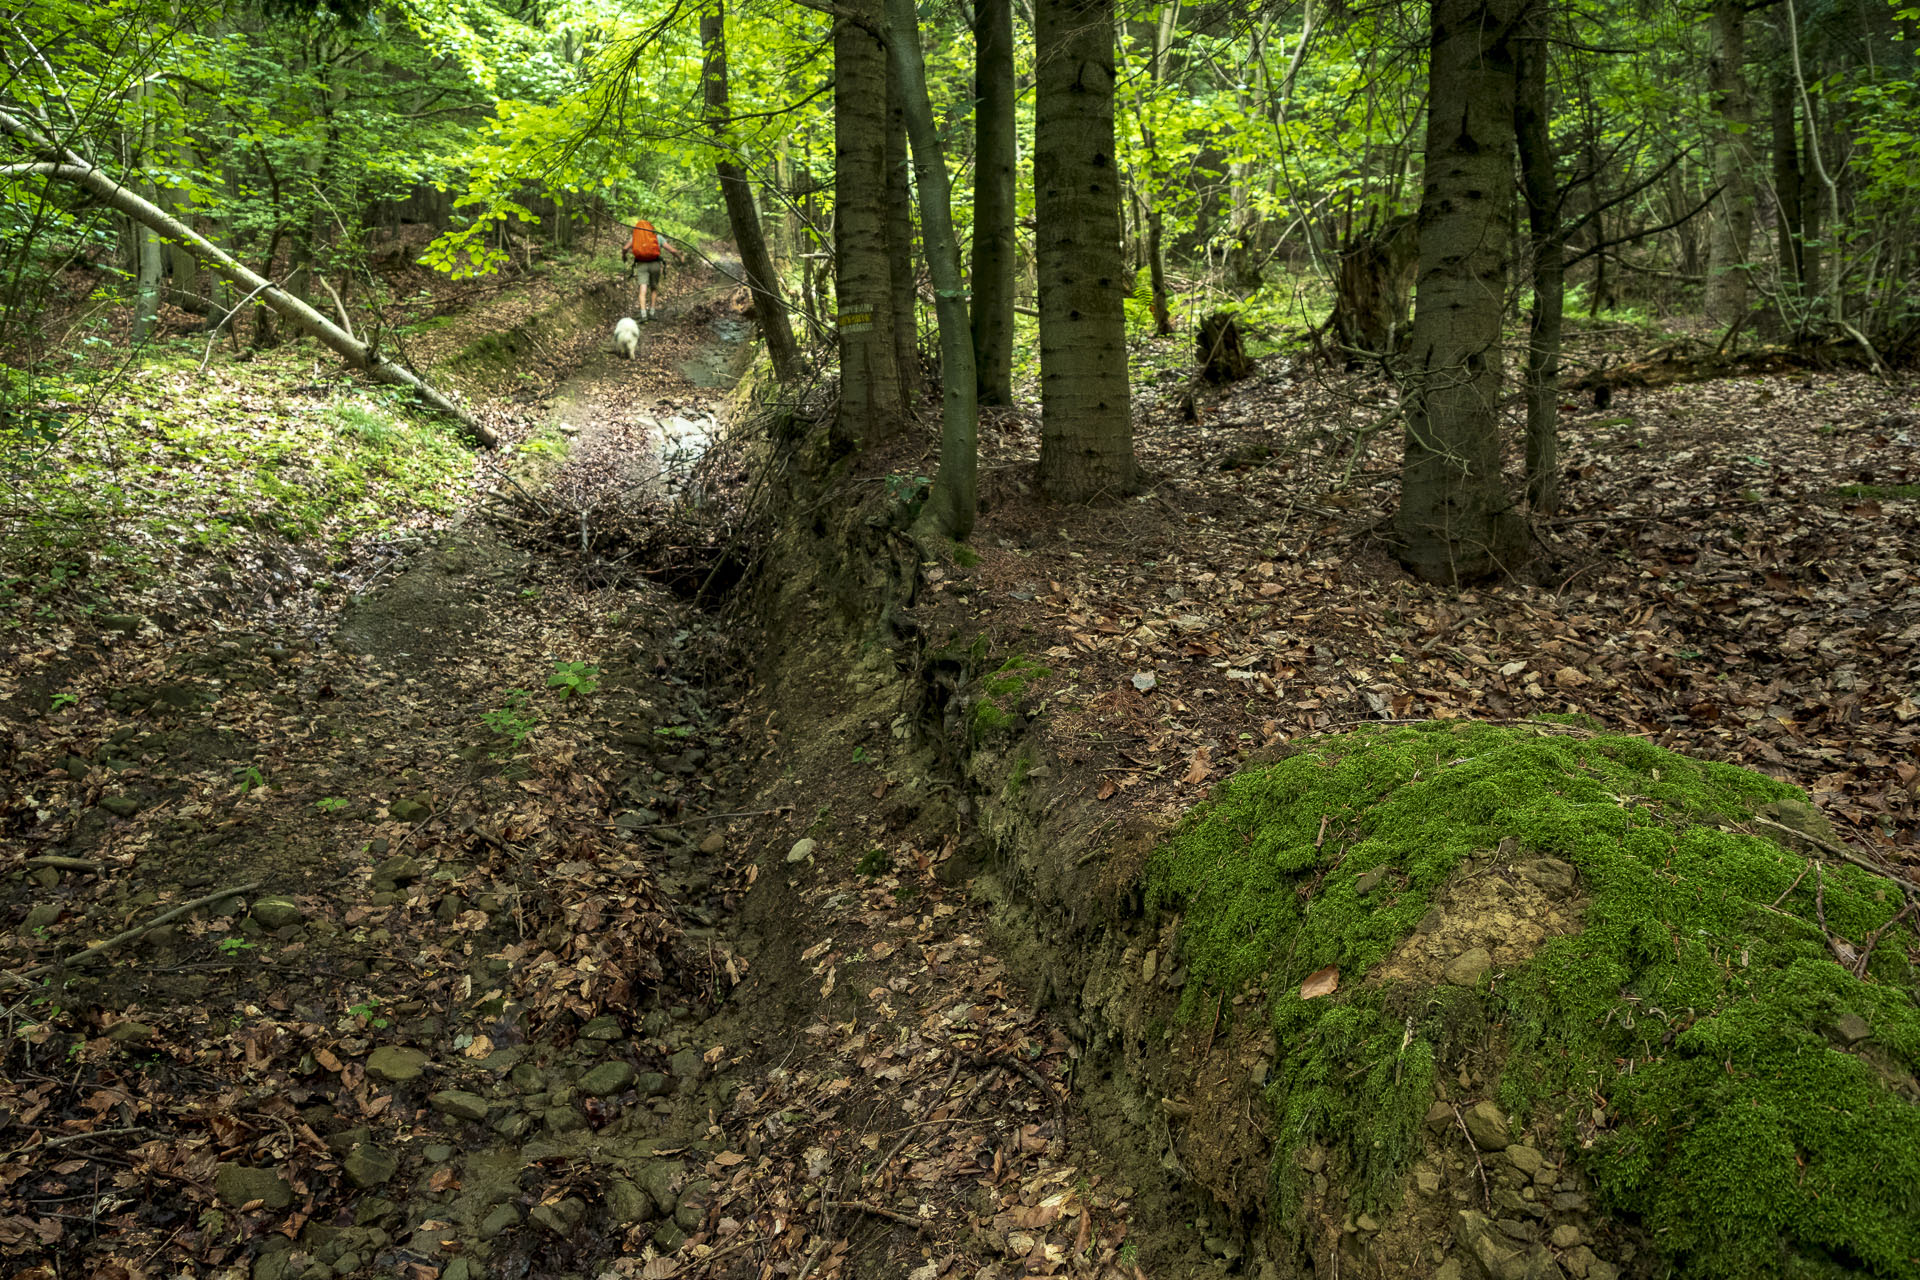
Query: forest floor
{"points": [[533, 937]]}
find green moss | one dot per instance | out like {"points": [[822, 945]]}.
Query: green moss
{"points": [[965, 556], [1017, 776], [1001, 692], [1738, 1132]]}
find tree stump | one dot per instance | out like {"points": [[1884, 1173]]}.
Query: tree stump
{"points": [[1219, 351]]}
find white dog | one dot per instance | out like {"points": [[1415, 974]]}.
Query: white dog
{"points": [[626, 337]]}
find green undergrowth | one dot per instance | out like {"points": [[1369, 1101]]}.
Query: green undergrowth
{"points": [[172, 461], [1699, 1002], [1880, 492]]}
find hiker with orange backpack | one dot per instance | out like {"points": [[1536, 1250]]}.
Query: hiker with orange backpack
{"points": [[643, 251]]}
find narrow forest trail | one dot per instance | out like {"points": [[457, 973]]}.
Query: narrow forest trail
{"points": [[479, 986]]}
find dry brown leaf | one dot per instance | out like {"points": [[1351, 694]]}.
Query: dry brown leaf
{"points": [[1321, 982], [1199, 766]]}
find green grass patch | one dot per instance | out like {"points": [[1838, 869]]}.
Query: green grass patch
{"points": [[1880, 492], [1697, 1000]]}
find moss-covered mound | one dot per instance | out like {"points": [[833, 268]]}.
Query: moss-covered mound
{"points": [[1678, 1022]]}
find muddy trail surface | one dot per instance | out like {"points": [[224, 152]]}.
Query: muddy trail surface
{"points": [[486, 924]]}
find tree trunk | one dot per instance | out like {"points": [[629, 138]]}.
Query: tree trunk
{"points": [[115, 195], [870, 408], [1539, 184], [1787, 184], [1086, 431], [148, 266], [743, 215], [996, 152], [1456, 521], [905, 280], [954, 501], [1830, 285], [1732, 232], [148, 263], [1156, 221]]}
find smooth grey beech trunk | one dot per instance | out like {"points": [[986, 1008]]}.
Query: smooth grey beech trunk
{"points": [[870, 404], [1731, 235], [1086, 424], [955, 495], [743, 215], [996, 152], [1456, 521]]}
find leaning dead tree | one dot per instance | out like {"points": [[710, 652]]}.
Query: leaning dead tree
{"points": [[60, 162]]}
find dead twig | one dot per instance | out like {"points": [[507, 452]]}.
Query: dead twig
{"points": [[1486, 1192], [99, 949], [881, 1211], [1038, 1081], [60, 863], [709, 817], [881, 1168], [1873, 939], [1790, 888], [1858, 859]]}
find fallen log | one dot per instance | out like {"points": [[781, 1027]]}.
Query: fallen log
{"points": [[73, 167], [1673, 366]]}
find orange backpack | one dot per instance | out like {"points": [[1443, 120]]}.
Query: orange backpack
{"points": [[646, 245]]}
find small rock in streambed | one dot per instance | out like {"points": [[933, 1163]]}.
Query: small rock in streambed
{"points": [[459, 1104], [560, 1217], [237, 1185], [369, 1166], [399, 869], [397, 1064], [277, 913], [607, 1079], [501, 1218], [410, 809]]}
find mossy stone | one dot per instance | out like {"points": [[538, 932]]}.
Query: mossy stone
{"points": [[396, 1064], [238, 1185], [1746, 1138]]}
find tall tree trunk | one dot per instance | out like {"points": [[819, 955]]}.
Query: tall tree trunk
{"points": [[954, 501], [147, 261], [870, 407], [996, 152], [1787, 184], [149, 265], [1150, 196], [743, 215], [1086, 424], [1456, 521], [1732, 232], [1539, 183], [905, 280]]}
